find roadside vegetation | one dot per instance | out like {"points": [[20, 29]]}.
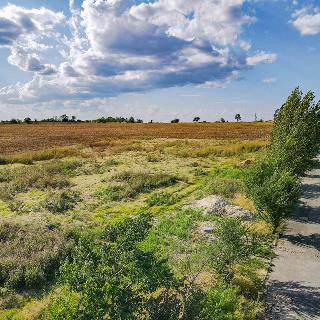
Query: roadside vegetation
{"points": [[108, 230], [274, 181]]}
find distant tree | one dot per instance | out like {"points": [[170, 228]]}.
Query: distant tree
{"points": [[139, 121], [15, 121], [27, 120], [237, 117], [255, 117], [222, 120], [73, 119], [131, 120], [196, 119], [175, 121], [64, 118]]}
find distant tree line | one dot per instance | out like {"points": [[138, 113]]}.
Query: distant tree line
{"points": [[72, 119]]}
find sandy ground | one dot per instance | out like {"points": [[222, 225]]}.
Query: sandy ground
{"points": [[293, 288]]}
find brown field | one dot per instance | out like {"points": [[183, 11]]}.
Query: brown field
{"points": [[21, 138]]}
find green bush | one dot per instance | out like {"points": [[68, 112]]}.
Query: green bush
{"points": [[30, 253], [110, 277], [274, 192], [61, 201], [226, 303], [233, 245]]}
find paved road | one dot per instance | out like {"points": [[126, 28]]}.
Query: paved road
{"points": [[293, 288]]}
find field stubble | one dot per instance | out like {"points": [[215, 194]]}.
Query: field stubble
{"points": [[23, 138]]}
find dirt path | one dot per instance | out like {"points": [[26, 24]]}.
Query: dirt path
{"points": [[293, 290]]}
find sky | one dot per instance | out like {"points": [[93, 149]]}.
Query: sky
{"points": [[156, 60]]}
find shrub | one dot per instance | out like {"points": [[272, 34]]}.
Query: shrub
{"points": [[30, 253], [110, 277], [61, 201], [226, 303], [274, 192], [233, 245]]}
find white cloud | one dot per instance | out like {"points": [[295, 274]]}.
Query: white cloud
{"points": [[18, 22], [261, 57], [269, 80], [116, 46], [307, 21]]}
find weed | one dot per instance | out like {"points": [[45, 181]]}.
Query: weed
{"points": [[162, 198], [61, 201], [225, 187], [134, 183]]}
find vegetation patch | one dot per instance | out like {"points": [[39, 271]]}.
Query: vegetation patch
{"points": [[62, 201], [135, 183], [30, 253]]}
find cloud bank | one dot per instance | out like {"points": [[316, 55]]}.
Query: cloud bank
{"points": [[108, 47]]}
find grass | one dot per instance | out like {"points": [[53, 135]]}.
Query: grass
{"points": [[30, 253], [58, 195], [135, 183], [29, 157]]}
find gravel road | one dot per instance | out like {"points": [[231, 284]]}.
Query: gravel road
{"points": [[293, 287]]}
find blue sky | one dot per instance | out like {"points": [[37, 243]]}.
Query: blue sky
{"points": [[156, 60]]}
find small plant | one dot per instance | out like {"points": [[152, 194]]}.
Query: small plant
{"points": [[162, 198], [233, 245], [61, 201]]}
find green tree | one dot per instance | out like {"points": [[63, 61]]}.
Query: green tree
{"points": [[295, 139], [196, 119], [238, 117]]}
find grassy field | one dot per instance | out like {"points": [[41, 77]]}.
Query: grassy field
{"points": [[100, 175]]}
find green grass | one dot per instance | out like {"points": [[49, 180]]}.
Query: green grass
{"points": [[131, 184], [50, 194]]}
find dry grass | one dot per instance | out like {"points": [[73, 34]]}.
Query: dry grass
{"points": [[23, 138]]}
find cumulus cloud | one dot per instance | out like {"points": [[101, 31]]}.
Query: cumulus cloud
{"points": [[29, 62], [261, 57], [307, 21], [17, 22], [118, 46]]}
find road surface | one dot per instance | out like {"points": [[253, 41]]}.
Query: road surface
{"points": [[293, 287]]}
